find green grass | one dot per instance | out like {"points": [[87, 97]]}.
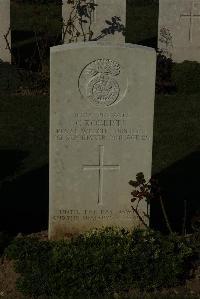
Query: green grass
{"points": [[176, 128], [24, 123]]}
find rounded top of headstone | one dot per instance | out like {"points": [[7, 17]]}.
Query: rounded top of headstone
{"points": [[92, 44]]}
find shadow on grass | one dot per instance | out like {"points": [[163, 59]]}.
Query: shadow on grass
{"points": [[25, 48], [24, 202], [10, 162], [180, 182]]}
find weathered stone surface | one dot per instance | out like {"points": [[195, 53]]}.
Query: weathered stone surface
{"points": [[179, 29], [101, 19], [101, 130], [4, 29]]}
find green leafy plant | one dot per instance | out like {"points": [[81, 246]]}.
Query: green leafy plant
{"points": [[146, 191], [81, 13], [150, 191], [166, 39], [99, 263], [78, 26]]}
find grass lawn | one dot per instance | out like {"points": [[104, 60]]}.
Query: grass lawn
{"points": [[24, 123], [24, 126], [176, 128]]}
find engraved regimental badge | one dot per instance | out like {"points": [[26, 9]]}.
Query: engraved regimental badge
{"points": [[98, 82]]}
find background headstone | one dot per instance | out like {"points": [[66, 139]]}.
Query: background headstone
{"points": [[179, 29], [4, 30], [108, 16], [101, 129]]}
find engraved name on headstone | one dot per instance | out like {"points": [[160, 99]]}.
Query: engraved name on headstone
{"points": [[101, 131]]}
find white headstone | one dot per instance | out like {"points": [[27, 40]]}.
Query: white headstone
{"points": [[4, 30], [109, 16], [101, 130], [179, 29]]}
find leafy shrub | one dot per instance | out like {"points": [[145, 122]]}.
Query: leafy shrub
{"points": [[195, 245], [186, 76], [101, 262]]}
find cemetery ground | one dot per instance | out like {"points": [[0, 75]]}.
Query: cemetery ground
{"points": [[24, 171], [166, 265]]}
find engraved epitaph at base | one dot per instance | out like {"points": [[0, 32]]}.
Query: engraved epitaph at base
{"points": [[101, 131]]}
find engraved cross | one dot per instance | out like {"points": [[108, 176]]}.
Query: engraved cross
{"points": [[101, 167], [190, 15]]}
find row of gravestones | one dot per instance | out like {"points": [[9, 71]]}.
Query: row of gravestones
{"points": [[101, 127], [179, 26], [102, 18]]}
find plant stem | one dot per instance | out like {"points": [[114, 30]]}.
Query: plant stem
{"points": [[138, 215], [184, 218], [165, 215]]}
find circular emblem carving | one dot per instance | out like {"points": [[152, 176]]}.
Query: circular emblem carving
{"points": [[103, 90], [100, 82]]}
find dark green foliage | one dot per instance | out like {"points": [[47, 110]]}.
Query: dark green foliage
{"points": [[34, 263], [195, 245], [186, 76], [100, 263]]}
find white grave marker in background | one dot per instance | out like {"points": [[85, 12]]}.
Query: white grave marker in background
{"points": [[4, 30], [179, 29]]}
